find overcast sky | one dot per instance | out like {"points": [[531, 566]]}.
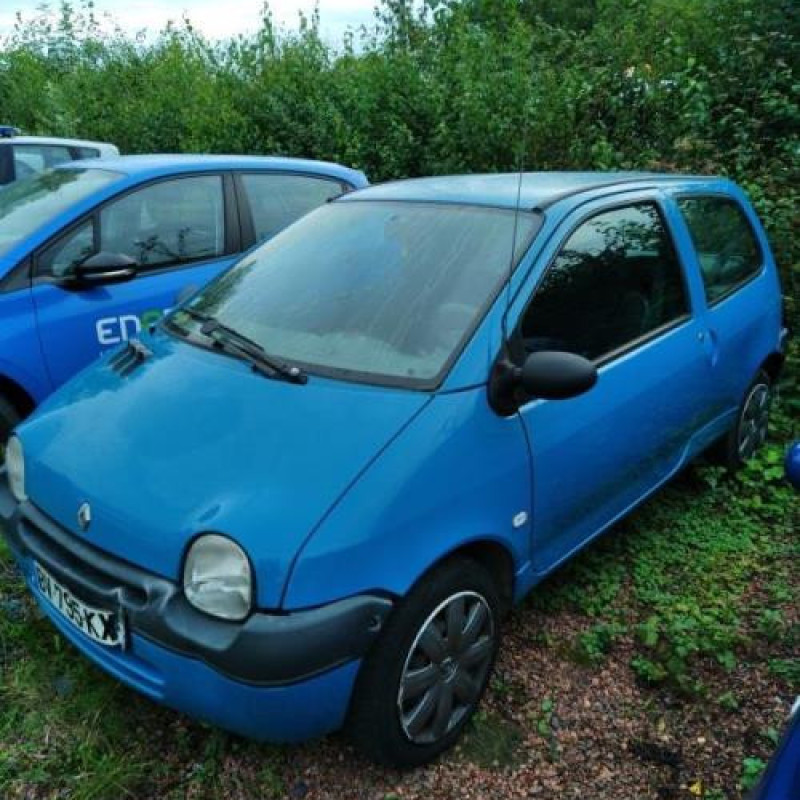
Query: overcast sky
{"points": [[216, 18]]}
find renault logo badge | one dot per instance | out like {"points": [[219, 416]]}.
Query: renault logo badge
{"points": [[85, 516]]}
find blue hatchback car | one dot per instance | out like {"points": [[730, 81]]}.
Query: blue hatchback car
{"points": [[94, 250], [309, 496]]}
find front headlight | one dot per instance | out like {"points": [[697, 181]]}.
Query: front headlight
{"points": [[217, 578], [15, 464]]}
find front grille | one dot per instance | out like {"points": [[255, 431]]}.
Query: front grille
{"points": [[92, 574]]}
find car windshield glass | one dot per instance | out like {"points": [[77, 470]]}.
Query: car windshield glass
{"points": [[28, 204], [385, 292]]}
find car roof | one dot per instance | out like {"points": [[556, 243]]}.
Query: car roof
{"points": [[143, 166], [536, 190], [109, 148]]}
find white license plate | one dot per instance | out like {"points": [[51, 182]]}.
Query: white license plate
{"points": [[104, 627]]}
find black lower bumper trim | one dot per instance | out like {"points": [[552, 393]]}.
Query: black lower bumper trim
{"points": [[265, 649]]}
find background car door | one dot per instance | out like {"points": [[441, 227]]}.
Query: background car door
{"points": [[176, 232], [615, 293]]}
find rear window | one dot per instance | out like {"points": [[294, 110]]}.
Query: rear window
{"points": [[727, 249]]}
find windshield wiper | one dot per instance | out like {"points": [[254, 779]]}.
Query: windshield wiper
{"points": [[244, 346]]}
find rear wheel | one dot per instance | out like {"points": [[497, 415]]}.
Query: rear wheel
{"points": [[425, 676], [752, 423]]}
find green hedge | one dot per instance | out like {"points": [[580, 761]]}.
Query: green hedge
{"points": [[709, 86]]}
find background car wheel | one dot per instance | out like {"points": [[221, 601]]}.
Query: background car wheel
{"points": [[425, 676], [750, 431], [9, 417]]}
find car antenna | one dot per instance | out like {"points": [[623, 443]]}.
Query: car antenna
{"points": [[505, 372], [512, 254]]}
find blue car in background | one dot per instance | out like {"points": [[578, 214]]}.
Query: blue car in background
{"points": [[93, 251], [309, 495]]}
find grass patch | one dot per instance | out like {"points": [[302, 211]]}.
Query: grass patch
{"points": [[491, 741]]}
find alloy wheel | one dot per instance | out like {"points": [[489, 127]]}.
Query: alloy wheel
{"points": [[753, 421], [446, 667]]}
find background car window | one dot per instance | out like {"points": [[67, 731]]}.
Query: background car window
{"points": [[167, 223], [32, 159], [277, 201], [61, 257], [726, 246], [27, 205], [87, 152], [616, 279]]}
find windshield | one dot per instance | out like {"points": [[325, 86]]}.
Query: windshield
{"points": [[27, 204], [387, 292]]}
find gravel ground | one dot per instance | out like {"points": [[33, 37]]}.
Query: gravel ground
{"points": [[554, 722], [551, 728]]}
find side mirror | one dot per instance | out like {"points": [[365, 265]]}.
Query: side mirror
{"points": [[103, 268], [553, 375]]}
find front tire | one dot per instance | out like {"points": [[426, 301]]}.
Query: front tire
{"points": [[426, 674]]}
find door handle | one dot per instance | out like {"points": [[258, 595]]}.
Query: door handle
{"points": [[708, 341]]}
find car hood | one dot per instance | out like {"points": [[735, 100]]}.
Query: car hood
{"points": [[193, 441]]}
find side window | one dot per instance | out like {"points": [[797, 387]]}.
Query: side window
{"points": [[726, 246], [31, 159], [86, 152], [61, 257], [616, 279], [278, 200], [167, 223]]}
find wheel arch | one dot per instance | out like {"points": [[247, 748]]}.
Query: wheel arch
{"points": [[773, 365], [493, 555], [17, 395]]}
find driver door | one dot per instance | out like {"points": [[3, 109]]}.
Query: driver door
{"points": [[173, 229], [614, 292]]}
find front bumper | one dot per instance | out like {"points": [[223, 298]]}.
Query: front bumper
{"points": [[281, 677]]}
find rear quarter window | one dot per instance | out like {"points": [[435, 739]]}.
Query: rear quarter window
{"points": [[727, 249], [87, 152]]}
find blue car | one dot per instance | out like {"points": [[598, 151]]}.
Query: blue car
{"points": [[93, 251], [792, 464], [308, 497], [781, 778]]}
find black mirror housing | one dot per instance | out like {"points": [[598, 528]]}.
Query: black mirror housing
{"points": [[104, 267], [554, 375]]}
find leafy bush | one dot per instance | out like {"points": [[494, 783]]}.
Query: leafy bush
{"points": [[446, 86]]}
